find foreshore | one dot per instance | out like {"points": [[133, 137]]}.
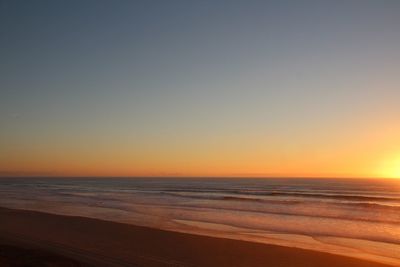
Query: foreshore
{"points": [[79, 241]]}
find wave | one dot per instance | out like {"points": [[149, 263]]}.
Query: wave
{"points": [[295, 194], [278, 230], [296, 213], [359, 200], [335, 196], [373, 206]]}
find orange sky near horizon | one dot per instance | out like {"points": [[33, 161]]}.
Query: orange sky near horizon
{"points": [[363, 154]]}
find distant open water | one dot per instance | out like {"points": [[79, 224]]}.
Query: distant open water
{"points": [[358, 218]]}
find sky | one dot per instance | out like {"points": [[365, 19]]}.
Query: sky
{"points": [[200, 88]]}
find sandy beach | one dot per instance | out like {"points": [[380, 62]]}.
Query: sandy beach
{"points": [[78, 241]]}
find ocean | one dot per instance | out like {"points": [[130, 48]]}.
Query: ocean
{"points": [[354, 217]]}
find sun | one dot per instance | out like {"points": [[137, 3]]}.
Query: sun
{"points": [[390, 168]]}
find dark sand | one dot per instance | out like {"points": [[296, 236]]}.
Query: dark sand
{"points": [[54, 240], [11, 256]]}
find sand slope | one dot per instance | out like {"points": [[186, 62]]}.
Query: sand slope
{"points": [[103, 243]]}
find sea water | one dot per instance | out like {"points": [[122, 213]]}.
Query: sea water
{"points": [[354, 217]]}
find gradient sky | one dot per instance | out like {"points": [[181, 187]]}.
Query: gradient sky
{"points": [[200, 88]]}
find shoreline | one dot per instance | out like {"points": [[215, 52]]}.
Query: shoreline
{"points": [[95, 242]]}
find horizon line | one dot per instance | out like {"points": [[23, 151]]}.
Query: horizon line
{"points": [[192, 177]]}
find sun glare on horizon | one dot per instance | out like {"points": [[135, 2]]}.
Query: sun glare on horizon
{"points": [[390, 168]]}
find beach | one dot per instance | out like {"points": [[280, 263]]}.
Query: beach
{"points": [[93, 242], [354, 218], [199, 133]]}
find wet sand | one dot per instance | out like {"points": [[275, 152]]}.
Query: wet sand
{"points": [[76, 241]]}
